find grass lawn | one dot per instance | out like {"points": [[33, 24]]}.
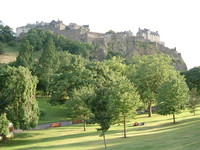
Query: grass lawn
{"points": [[10, 53], [158, 133], [52, 113]]}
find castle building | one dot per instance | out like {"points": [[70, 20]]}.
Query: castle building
{"points": [[149, 35], [82, 32]]}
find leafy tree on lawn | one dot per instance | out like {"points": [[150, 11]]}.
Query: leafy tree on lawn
{"points": [[194, 100], [17, 97], [78, 104], [48, 64], [148, 73], [172, 97], [25, 57], [102, 106], [126, 100]]}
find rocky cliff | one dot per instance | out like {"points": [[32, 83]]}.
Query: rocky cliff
{"points": [[127, 46]]}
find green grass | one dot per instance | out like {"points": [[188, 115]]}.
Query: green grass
{"points": [[158, 133], [11, 49], [53, 113]]}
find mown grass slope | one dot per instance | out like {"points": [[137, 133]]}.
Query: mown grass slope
{"points": [[10, 53], [158, 133], [52, 113]]}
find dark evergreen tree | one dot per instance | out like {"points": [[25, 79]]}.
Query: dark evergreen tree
{"points": [[48, 64], [25, 57]]}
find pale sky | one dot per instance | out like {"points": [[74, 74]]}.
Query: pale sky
{"points": [[177, 21]]}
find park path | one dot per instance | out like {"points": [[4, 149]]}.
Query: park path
{"points": [[44, 126]]}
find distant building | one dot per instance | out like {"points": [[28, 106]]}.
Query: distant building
{"points": [[149, 35]]}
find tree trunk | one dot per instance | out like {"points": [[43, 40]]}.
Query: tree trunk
{"points": [[84, 125], [124, 126], [104, 138], [174, 118], [150, 109]]}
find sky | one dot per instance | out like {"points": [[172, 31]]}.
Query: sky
{"points": [[177, 21]]}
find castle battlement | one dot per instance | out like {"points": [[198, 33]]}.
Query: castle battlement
{"points": [[82, 32], [149, 35]]}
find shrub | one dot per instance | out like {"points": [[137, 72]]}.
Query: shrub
{"points": [[1, 48], [12, 43]]}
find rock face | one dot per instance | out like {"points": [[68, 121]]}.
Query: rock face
{"points": [[127, 46]]}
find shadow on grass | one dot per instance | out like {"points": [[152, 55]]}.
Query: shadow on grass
{"points": [[145, 137], [153, 141]]}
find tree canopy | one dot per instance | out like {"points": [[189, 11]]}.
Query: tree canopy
{"points": [[148, 73], [25, 57], [17, 97], [193, 78], [6, 34], [172, 97]]}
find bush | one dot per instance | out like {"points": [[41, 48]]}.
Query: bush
{"points": [[42, 113], [12, 43], [1, 48]]}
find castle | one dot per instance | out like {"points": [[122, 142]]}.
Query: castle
{"points": [[82, 32]]}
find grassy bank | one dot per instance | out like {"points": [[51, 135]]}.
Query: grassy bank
{"points": [[158, 133], [52, 113]]}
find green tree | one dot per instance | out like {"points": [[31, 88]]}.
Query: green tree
{"points": [[47, 65], [3, 126], [1, 48], [148, 73], [172, 97], [34, 39], [78, 104], [25, 57], [194, 100], [116, 64], [193, 78], [110, 32], [124, 93], [126, 100], [101, 105], [70, 77], [17, 97], [6, 34]]}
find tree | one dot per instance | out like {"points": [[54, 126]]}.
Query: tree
{"points": [[70, 77], [172, 97], [17, 97], [193, 78], [110, 32], [126, 100], [194, 100], [78, 104], [48, 64], [34, 39], [116, 64], [1, 48], [6, 34], [148, 73], [25, 57], [102, 107]]}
